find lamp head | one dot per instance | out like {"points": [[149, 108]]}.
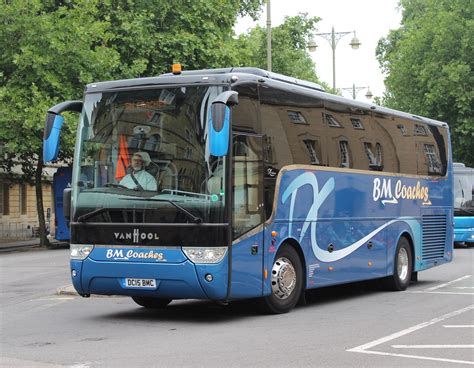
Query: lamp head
{"points": [[355, 43]]}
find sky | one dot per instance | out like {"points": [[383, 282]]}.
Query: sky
{"points": [[371, 19]]}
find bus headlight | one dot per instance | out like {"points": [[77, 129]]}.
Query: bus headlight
{"points": [[80, 251], [205, 255]]}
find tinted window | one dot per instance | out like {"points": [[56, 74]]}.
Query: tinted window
{"points": [[294, 126]]}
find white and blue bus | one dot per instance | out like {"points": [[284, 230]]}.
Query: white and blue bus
{"points": [[463, 204], [240, 183]]}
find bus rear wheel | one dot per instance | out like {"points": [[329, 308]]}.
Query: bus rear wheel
{"points": [[402, 268], [286, 282], [151, 303]]}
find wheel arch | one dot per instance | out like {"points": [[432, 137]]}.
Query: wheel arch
{"points": [[293, 243], [409, 238]]}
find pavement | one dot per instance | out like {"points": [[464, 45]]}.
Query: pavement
{"points": [[19, 245]]}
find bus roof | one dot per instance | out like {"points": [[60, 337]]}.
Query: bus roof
{"points": [[243, 74]]}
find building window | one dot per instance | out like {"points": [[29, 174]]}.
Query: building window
{"points": [[296, 117], [311, 147], [332, 122], [434, 166], [153, 143], [402, 129], [6, 198], [188, 135], [375, 158], [357, 123], [378, 154], [23, 198], [420, 130], [344, 152], [369, 153], [188, 153], [156, 118]]}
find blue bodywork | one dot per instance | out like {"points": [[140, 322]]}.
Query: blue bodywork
{"points": [[464, 229], [61, 180], [361, 215]]}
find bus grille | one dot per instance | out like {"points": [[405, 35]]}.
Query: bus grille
{"points": [[434, 236]]}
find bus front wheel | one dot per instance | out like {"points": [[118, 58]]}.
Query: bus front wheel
{"points": [[151, 303], [286, 282], [403, 267]]}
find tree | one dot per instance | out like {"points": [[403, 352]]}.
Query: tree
{"points": [[52, 48], [289, 48], [429, 62]]}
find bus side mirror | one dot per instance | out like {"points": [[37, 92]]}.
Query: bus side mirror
{"points": [[67, 203], [219, 123], [52, 131], [52, 128]]}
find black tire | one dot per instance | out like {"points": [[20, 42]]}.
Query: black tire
{"points": [[402, 267], [286, 282], [151, 303]]}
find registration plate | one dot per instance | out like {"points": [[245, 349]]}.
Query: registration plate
{"points": [[141, 283]]}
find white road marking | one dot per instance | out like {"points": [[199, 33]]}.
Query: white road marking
{"points": [[438, 292], [364, 348], [459, 326], [433, 347], [448, 283], [417, 357], [464, 287]]}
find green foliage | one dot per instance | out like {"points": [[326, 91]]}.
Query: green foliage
{"points": [[46, 58], [289, 48], [52, 48], [429, 62]]}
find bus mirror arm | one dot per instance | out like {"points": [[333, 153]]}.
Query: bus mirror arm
{"points": [[52, 128]]}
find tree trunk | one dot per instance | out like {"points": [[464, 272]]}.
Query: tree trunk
{"points": [[39, 200]]}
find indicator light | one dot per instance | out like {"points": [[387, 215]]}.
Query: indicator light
{"points": [[274, 233], [209, 277]]}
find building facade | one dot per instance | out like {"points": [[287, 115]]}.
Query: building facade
{"points": [[18, 213]]}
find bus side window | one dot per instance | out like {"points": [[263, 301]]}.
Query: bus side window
{"points": [[247, 185]]}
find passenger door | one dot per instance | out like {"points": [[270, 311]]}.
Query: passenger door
{"points": [[247, 215]]}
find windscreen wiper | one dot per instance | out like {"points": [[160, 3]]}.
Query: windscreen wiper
{"points": [[88, 215], [464, 210], [196, 219]]}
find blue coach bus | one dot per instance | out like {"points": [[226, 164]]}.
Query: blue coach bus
{"points": [[463, 204], [240, 183]]}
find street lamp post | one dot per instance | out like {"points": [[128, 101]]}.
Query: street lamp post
{"points": [[333, 38], [355, 90], [269, 38]]}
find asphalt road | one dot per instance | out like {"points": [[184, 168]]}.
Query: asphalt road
{"points": [[356, 325]]}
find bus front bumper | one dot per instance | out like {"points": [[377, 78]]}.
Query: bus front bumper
{"points": [[184, 280]]}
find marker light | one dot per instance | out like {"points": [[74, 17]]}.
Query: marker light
{"points": [[176, 68], [80, 251], [205, 255]]}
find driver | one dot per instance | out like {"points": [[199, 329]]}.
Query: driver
{"points": [[138, 178]]}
